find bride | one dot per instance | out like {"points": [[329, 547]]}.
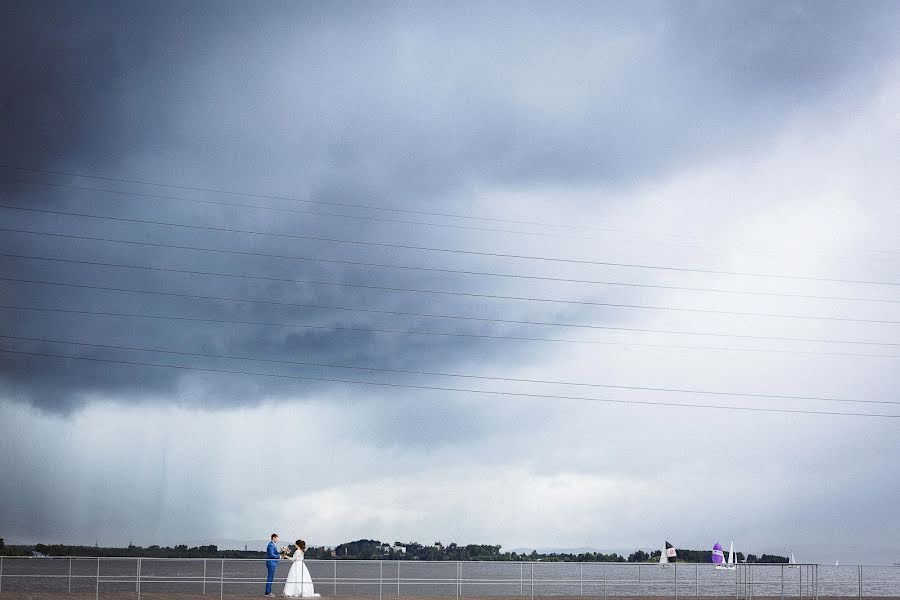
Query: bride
{"points": [[299, 584]]}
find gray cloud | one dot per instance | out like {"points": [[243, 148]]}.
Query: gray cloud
{"points": [[518, 111], [368, 107]]}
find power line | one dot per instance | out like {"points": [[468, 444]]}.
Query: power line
{"points": [[447, 250], [446, 374], [432, 333], [344, 204], [407, 222], [418, 314], [448, 389], [476, 295], [307, 201], [314, 326], [415, 268], [301, 211]]}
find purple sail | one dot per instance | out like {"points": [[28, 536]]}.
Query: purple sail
{"points": [[718, 557]]}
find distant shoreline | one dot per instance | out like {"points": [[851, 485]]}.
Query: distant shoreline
{"points": [[376, 550]]}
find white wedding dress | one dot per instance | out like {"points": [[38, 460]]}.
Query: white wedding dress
{"points": [[299, 584]]}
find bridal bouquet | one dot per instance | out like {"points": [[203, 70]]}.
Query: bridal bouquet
{"points": [[285, 552]]}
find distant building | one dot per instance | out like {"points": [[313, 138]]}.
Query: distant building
{"points": [[398, 547], [35, 554]]}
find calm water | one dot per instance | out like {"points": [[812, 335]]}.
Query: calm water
{"points": [[413, 578]]}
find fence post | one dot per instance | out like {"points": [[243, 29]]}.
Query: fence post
{"points": [[97, 595], [381, 577], [676, 580], [782, 581], [696, 580], [1, 573], [521, 579], [581, 579], [222, 581], [335, 576], [137, 583], [859, 581], [204, 576], [70, 574], [604, 583], [532, 580], [398, 578]]}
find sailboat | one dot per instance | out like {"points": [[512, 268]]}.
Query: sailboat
{"points": [[667, 555], [837, 563], [722, 565], [792, 563], [717, 557]]}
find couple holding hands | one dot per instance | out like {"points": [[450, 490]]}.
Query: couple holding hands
{"points": [[299, 583]]}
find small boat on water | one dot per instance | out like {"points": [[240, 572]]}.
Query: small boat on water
{"points": [[667, 555], [721, 563], [792, 563], [717, 556]]}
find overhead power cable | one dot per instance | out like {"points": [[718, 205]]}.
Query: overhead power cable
{"points": [[413, 268], [300, 211], [436, 249], [332, 203], [348, 205], [449, 389], [447, 374], [471, 295], [429, 315], [303, 200], [625, 344]]}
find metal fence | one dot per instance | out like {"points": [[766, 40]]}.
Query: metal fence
{"points": [[134, 577]]}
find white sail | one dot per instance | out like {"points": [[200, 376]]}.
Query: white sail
{"points": [[731, 554], [663, 559]]}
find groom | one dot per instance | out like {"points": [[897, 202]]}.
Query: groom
{"points": [[271, 563]]}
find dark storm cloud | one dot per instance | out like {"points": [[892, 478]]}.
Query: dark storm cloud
{"points": [[401, 105], [67, 68]]}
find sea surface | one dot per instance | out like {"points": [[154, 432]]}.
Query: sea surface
{"points": [[447, 579]]}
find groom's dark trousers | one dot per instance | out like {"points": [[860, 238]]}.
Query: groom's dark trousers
{"points": [[271, 565]]}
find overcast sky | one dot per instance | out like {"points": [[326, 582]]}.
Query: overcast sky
{"points": [[666, 152]]}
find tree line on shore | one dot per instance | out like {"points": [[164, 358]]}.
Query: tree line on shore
{"points": [[374, 550]]}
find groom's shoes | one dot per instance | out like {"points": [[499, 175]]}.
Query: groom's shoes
{"points": [[269, 595]]}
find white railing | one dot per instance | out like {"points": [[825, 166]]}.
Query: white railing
{"points": [[132, 577]]}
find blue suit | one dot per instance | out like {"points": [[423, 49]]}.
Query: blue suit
{"points": [[271, 564]]}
